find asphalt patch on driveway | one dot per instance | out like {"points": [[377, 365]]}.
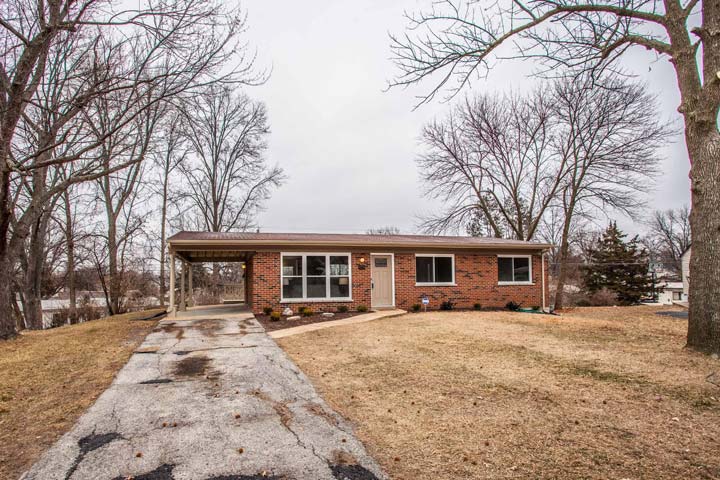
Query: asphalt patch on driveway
{"points": [[163, 472], [258, 476], [352, 472], [90, 443]]}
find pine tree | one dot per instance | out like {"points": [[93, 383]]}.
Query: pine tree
{"points": [[619, 266]]}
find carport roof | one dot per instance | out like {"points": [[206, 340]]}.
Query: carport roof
{"points": [[250, 240]]}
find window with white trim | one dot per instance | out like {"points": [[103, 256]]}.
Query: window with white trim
{"points": [[434, 269], [315, 276], [514, 269]]}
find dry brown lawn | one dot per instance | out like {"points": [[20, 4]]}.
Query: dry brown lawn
{"points": [[48, 378], [595, 393]]}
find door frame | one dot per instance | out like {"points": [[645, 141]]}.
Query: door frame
{"points": [[392, 275]]}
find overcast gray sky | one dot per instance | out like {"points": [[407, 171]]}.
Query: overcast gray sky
{"points": [[347, 145]]}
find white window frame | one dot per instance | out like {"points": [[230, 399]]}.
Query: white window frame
{"points": [[451, 256], [304, 276], [530, 268]]}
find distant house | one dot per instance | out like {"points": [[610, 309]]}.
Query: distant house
{"points": [[685, 268], [55, 309], [669, 292]]}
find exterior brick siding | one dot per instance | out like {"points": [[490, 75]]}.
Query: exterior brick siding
{"points": [[266, 285], [476, 281]]}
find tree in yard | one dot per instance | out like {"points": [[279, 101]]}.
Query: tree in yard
{"points": [[119, 193], [228, 179], [617, 265], [491, 160], [167, 157], [458, 40], [670, 236], [608, 134]]}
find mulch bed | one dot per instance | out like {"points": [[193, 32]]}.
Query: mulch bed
{"points": [[271, 325]]}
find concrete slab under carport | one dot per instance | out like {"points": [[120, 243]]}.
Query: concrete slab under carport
{"points": [[211, 397]]}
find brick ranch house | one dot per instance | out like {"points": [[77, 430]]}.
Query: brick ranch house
{"points": [[324, 271]]}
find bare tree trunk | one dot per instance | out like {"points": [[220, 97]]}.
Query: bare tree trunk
{"points": [[113, 276], [562, 262], [7, 322], [704, 324], [32, 285], [163, 247], [70, 252]]}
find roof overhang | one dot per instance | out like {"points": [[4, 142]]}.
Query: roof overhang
{"points": [[235, 246]]}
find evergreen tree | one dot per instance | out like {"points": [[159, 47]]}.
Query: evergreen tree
{"points": [[617, 265]]}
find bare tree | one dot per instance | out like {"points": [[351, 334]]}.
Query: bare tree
{"points": [[670, 233], [455, 41], [227, 177], [609, 136], [386, 230], [492, 161], [68, 223], [170, 153], [84, 51], [118, 192]]}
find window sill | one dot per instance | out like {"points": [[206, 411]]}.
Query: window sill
{"points": [[315, 300], [436, 284], [502, 284]]}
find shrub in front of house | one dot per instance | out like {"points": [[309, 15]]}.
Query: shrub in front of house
{"points": [[447, 305], [477, 306], [342, 309], [416, 307], [513, 306], [275, 316], [306, 312], [267, 310], [362, 308]]}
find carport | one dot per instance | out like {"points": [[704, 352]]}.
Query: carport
{"points": [[200, 249]]}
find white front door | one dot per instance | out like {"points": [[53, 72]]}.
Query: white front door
{"points": [[382, 281]]}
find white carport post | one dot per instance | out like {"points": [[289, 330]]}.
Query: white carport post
{"points": [[182, 286], [191, 301], [172, 283]]}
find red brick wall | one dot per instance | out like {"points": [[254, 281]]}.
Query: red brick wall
{"points": [[476, 282], [475, 278], [266, 289]]}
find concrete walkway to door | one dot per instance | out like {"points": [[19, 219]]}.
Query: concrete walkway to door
{"points": [[208, 396]]}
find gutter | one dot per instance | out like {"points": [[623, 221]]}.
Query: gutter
{"points": [[315, 243]]}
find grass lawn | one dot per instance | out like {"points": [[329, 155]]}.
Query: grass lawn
{"points": [[48, 378], [595, 393]]}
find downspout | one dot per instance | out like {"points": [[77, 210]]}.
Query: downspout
{"points": [[542, 280]]}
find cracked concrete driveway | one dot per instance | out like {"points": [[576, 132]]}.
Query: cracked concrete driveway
{"points": [[208, 396]]}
